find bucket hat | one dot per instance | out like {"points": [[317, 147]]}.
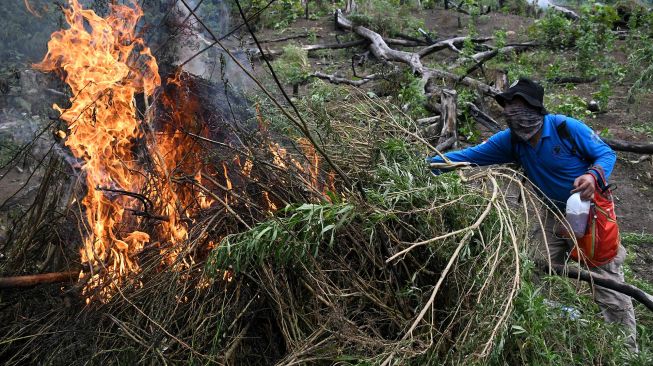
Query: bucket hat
{"points": [[530, 91]]}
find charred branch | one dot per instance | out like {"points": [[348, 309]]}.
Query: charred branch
{"points": [[595, 279], [426, 36], [423, 42], [571, 80]]}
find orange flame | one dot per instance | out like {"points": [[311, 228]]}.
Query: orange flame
{"points": [[226, 177], [177, 155], [105, 65], [313, 159]]}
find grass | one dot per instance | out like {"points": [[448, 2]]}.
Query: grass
{"points": [[644, 317]]}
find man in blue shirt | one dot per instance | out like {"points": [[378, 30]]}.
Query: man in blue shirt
{"points": [[556, 153]]}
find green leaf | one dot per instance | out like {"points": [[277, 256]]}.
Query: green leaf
{"points": [[516, 329]]}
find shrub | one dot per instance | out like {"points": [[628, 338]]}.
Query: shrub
{"points": [[293, 66], [278, 15], [595, 37], [553, 30], [387, 17], [569, 105], [467, 124]]}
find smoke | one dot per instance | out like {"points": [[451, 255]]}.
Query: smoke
{"points": [[543, 4], [213, 64]]}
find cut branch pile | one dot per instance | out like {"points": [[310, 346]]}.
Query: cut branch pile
{"points": [[318, 281]]}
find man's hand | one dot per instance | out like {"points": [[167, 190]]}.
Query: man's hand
{"points": [[585, 185]]}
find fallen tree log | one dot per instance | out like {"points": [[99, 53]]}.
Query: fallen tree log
{"points": [[635, 147], [571, 80], [595, 279], [483, 118], [449, 133], [428, 120], [270, 53], [453, 44], [432, 130], [379, 48], [37, 279], [480, 86], [569, 14], [287, 38], [340, 80], [378, 45]]}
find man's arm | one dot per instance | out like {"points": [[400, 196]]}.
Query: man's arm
{"points": [[591, 146], [596, 151], [496, 150]]}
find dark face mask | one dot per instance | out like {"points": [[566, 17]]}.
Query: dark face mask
{"points": [[524, 122]]}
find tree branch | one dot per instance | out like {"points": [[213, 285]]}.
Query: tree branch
{"points": [[339, 80], [595, 279], [635, 147], [453, 44], [37, 279]]}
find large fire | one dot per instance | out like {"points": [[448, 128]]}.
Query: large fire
{"points": [[105, 65], [128, 163]]}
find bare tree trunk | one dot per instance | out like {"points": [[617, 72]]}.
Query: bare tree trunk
{"points": [[350, 6], [501, 80], [449, 135]]}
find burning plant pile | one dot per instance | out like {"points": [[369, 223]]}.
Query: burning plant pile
{"points": [[203, 240]]}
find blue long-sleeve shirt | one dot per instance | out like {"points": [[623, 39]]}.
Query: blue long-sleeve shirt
{"points": [[551, 165]]}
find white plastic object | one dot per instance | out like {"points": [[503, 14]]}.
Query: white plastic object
{"points": [[577, 212]]}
